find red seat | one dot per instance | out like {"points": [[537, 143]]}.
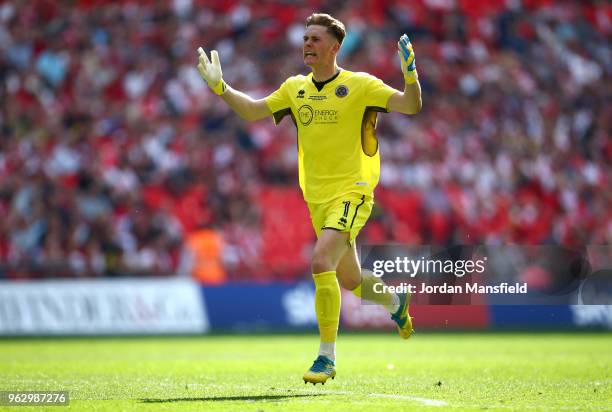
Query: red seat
{"points": [[287, 232]]}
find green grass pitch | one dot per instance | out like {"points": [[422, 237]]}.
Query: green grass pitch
{"points": [[434, 372]]}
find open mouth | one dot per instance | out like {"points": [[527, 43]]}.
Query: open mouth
{"points": [[306, 54]]}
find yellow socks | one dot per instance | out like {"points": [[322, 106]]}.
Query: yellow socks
{"points": [[327, 307], [366, 291]]}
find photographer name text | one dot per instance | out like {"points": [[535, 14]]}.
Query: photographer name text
{"points": [[445, 288]]}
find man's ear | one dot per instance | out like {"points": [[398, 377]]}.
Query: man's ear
{"points": [[336, 48]]}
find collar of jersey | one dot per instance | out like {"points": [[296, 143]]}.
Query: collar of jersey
{"points": [[330, 80]]}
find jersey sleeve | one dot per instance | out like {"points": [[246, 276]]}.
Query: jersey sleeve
{"points": [[377, 94], [278, 102]]}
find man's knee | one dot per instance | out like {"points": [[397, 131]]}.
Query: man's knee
{"points": [[328, 251], [322, 263]]}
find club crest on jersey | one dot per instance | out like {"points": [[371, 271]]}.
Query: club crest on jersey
{"points": [[341, 90]]}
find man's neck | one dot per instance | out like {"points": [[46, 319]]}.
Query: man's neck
{"points": [[320, 74]]}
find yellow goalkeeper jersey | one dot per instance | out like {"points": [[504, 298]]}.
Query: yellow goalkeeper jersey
{"points": [[337, 145]]}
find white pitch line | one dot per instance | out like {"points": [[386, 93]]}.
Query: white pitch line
{"points": [[424, 401]]}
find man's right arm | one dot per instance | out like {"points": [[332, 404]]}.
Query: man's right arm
{"points": [[245, 106]]}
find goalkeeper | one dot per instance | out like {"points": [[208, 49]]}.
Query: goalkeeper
{"points": [[335, 112]]}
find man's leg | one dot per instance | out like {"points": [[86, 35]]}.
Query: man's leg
{"points": [[329, 249], [361, 282]]}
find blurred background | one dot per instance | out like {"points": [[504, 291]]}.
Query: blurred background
{"points": [[117, 161]]}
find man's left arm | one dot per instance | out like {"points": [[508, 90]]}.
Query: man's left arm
{"points": [[408, 102]]}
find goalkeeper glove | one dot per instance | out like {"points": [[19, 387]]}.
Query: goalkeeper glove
{"points": [[211, 72], [407, 60]]}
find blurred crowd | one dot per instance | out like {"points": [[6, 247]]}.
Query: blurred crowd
{"points": [[115, 159]]}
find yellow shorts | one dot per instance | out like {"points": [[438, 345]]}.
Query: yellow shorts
{"points": [[348, 213]]}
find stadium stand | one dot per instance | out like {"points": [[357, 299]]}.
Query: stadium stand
{"points": [[113, 153]]}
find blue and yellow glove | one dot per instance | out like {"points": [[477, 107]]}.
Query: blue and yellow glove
{"points": [[407, 60]]}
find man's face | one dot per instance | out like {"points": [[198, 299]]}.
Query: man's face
{"points": [[320, 47]]}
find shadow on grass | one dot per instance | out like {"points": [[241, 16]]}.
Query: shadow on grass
{"points": [[233, 398]]}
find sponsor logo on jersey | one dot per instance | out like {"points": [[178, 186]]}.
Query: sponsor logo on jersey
{"points": [[307, 115]]}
